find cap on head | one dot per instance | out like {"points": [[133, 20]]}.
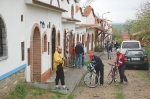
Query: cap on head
{"points": [[91, 56], [118, 50]]}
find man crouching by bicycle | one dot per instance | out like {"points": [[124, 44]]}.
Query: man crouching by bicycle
{"points": [[121, 66], [99, 67]]}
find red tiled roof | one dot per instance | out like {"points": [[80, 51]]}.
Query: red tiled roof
{"points": [[88, 10], [94, 26], [77, 8]]}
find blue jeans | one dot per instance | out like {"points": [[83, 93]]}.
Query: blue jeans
{"points": [[78, 59]]}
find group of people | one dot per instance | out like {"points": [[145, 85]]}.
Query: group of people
{"points": [[59, 64], [75, 56], [76, 53]]}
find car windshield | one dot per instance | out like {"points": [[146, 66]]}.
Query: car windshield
{"points": [[130, 45], [137, 53]]}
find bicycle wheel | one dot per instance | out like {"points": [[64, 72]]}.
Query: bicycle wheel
{"points": [[110, 77], [115, 75], [91, 79]]}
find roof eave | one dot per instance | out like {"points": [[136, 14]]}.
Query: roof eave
{"points": [[44, 5]]}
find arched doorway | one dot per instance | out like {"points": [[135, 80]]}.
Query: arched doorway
{"points": [[77, 38], [88, 41], [53, 45], [36, 55], [82, 39], [58, 38], [64, 42]]}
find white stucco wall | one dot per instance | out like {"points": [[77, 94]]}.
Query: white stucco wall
{"points": [[35, 15], [66, 6], [81, 18], [11, 15], [90, 18]]}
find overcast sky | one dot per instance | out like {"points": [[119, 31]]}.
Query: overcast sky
{"points": [[120, 10]]}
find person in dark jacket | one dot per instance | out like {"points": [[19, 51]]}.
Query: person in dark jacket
{"points": [[99, 67], [79, 52], [109, 49]]}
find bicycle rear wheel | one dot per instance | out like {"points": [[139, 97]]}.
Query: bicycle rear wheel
{"points": [[91, 79], [110, 77]]}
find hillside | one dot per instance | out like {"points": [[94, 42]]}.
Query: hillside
{"points": [[118, 26]]}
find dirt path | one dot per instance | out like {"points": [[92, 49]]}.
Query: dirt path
{"points": [[137, 88]]}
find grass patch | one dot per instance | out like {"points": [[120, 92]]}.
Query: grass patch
{"points": [[144, 76], [119, 95], [119, 87], [86, 63], [70, 96], [25, 91]]}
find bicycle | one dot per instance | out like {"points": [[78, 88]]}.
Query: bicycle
{"points": [[91, 79], [113, 74]]}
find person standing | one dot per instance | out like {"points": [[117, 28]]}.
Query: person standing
{"points": [[58, 66], [67, 57], [121, 66], [72, 55], [79, 51], [109, 49], [83, 55], [99, 67], [116, 45]]}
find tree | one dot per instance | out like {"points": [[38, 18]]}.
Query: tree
{"points": [[142, 21]]}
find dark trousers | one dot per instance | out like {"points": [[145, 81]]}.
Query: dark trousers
{"points": [[82, 61], [60, 75], [121, 73], [100, 72]]}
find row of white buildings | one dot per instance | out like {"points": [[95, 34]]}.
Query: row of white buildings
{"points": [[30, 31]]}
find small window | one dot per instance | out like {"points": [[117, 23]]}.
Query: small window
{"points": [[21, 18], [48, 48], [22, 50]]}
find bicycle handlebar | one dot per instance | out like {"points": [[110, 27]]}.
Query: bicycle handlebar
{"points": [[111, 64]]}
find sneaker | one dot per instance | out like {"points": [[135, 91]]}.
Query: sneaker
{"points": [[65, 88], [101, 84], [126, 82], [58, 87]]}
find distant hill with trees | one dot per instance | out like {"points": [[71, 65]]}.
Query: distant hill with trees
{"points": [[118, 26]]}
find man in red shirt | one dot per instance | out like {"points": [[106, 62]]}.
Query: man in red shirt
{"points": [[121, 66], [72, 55]]}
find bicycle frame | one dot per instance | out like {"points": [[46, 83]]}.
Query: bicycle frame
{"points": [[113, 74]]}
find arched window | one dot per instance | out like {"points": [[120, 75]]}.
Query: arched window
{"points": [[45, 43], [3, 40], [72, 11]]}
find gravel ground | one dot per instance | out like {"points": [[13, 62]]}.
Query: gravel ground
{"points": [[137, 88]]}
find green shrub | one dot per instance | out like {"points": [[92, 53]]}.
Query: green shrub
{"points": [[148, 52]]}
